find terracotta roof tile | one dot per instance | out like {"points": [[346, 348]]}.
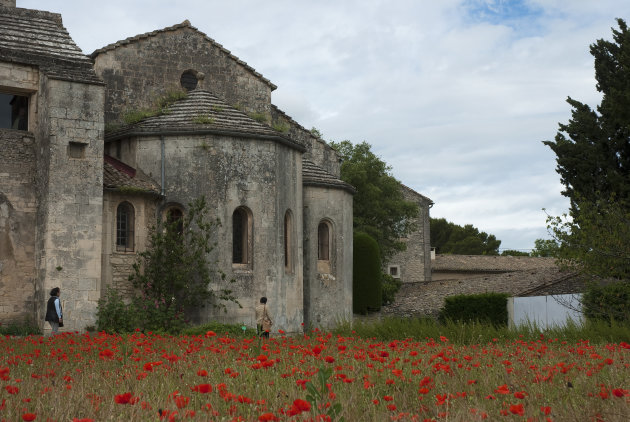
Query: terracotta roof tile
{"points": [[117, 175]]}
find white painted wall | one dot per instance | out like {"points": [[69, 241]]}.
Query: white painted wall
{"points": [[544, 311]]}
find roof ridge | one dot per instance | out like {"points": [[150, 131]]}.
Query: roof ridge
{"points": [[185, 24]]}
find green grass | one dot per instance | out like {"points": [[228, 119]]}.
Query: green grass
{"points": [[474, 332]]}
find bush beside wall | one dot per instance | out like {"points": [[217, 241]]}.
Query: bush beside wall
{"points": [[367, 291], [486, 307]]}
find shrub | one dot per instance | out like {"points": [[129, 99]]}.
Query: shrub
{"points": [[113, 315], [486, 307], [390, 286], [610, 302], [15, 329], [366, 281]]}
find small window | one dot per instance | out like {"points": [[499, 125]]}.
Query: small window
{"points": [[394, 271], [124, 227], [13, 112], [76, 150], [241, 236], [189, 80]]}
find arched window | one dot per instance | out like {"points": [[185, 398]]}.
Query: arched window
{"points": [[288, 242], [323, 241], [241, 236], [175, 219], [124, 227]]}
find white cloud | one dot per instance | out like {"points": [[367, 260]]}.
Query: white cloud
{"points": [[456, 95]]}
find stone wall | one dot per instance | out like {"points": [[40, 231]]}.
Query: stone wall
{"points": [[18, 204], [70, 144], [317, 150], [414, 264], [327, 289], [138, 72], [117, 265], [261, 175]]}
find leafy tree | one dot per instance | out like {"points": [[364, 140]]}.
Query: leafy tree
{"points": [[596, 241], [450, 238], [593, 160], [593, 148], [367, 290], [380, 210], [545, 247], [514, 252], [173, 275]]}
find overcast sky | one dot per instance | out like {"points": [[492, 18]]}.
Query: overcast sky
{"points": [[456, 95]]}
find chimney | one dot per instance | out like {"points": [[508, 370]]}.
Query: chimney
{"points": [[7, 3]]}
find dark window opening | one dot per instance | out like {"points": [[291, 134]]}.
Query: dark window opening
{"points": [[76, 150], [13, 112], [175, 220], [188, 80], [240, 236], [124, 227], [323, 242]]}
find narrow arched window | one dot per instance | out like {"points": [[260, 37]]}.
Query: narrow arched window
{"points": [[241, 236], [323, 241], [288, 242], [124, 227], [175, 220]]}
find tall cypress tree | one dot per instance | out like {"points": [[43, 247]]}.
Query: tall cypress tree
{"points": [[593, 148]]}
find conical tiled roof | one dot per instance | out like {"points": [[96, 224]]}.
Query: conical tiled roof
{"points": [[202, 112], [313, 175]]}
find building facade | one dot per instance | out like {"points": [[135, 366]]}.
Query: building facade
{"points": [[94, 150]]}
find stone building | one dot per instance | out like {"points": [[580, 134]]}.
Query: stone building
{"points": [[82, 183], [413, 265]]}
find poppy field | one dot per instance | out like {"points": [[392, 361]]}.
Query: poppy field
{"points": [[316, 376]]}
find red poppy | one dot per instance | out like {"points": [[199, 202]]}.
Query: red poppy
{"points": [[502, 389], [203, 388], [29, 416], [267, 417], [545, 410], [11, 389], [181, 401], [520, 394], [517, 409], [202, 373], [329, 359], [124, 398]]}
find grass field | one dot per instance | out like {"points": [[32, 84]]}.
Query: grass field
{"points": [[357, 376]]}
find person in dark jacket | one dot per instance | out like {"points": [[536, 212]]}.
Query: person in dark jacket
{"points": [[54, 315]]}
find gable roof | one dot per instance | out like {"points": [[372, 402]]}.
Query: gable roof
{"points": [[185, 24], [200, 113], [313, 175], [417, 194], [38, 38], [490, 263], [118, 175]]}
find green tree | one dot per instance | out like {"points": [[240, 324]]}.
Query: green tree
{"points": [[545, 247], [593, 160], [380, 210], [514, 252], [596, 242], [450, 238], [173, 275], [592, 149], [367, 290]]}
